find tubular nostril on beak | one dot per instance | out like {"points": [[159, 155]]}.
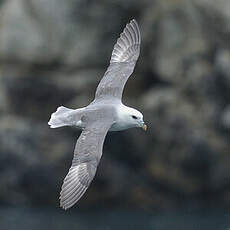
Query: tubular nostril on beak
{"points": [[143, 125]]}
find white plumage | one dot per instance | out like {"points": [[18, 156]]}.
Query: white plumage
{"points": [[105, 113]]}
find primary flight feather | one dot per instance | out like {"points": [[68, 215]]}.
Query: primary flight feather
{"points": [[105, 113]]}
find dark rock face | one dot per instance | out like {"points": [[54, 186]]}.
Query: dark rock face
{"points": [[54, 53]]}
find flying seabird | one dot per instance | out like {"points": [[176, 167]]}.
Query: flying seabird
{"points": [[105, 113]]}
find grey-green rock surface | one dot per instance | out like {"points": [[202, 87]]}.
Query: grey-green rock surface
{"points": [[55, 52]]}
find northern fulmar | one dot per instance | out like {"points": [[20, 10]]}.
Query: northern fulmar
{"points": [[105, 113]]}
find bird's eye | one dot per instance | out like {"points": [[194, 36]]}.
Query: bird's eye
{"points": [[134, 117]]}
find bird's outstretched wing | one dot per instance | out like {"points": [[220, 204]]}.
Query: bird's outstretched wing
{"points": [[122, 63], [87, 155]]}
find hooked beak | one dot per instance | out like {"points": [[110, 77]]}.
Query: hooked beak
{"points": [[143, 125]]}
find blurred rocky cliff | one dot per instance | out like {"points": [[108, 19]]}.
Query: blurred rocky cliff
{"points": [[54, 52]]}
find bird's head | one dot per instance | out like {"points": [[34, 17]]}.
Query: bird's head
{"points": [[134, 118]]}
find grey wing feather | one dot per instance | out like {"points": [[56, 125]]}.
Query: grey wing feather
{"points": [[127, 47], [87, 155], [123, 60]]}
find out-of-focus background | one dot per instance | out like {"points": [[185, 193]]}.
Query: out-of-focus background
{"points": [[174, 176]]}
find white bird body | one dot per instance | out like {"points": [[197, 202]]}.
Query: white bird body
{"points": [[105, 113], [65, 117]]}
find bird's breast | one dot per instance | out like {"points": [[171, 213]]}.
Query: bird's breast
{"points": [[119, 126]]}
